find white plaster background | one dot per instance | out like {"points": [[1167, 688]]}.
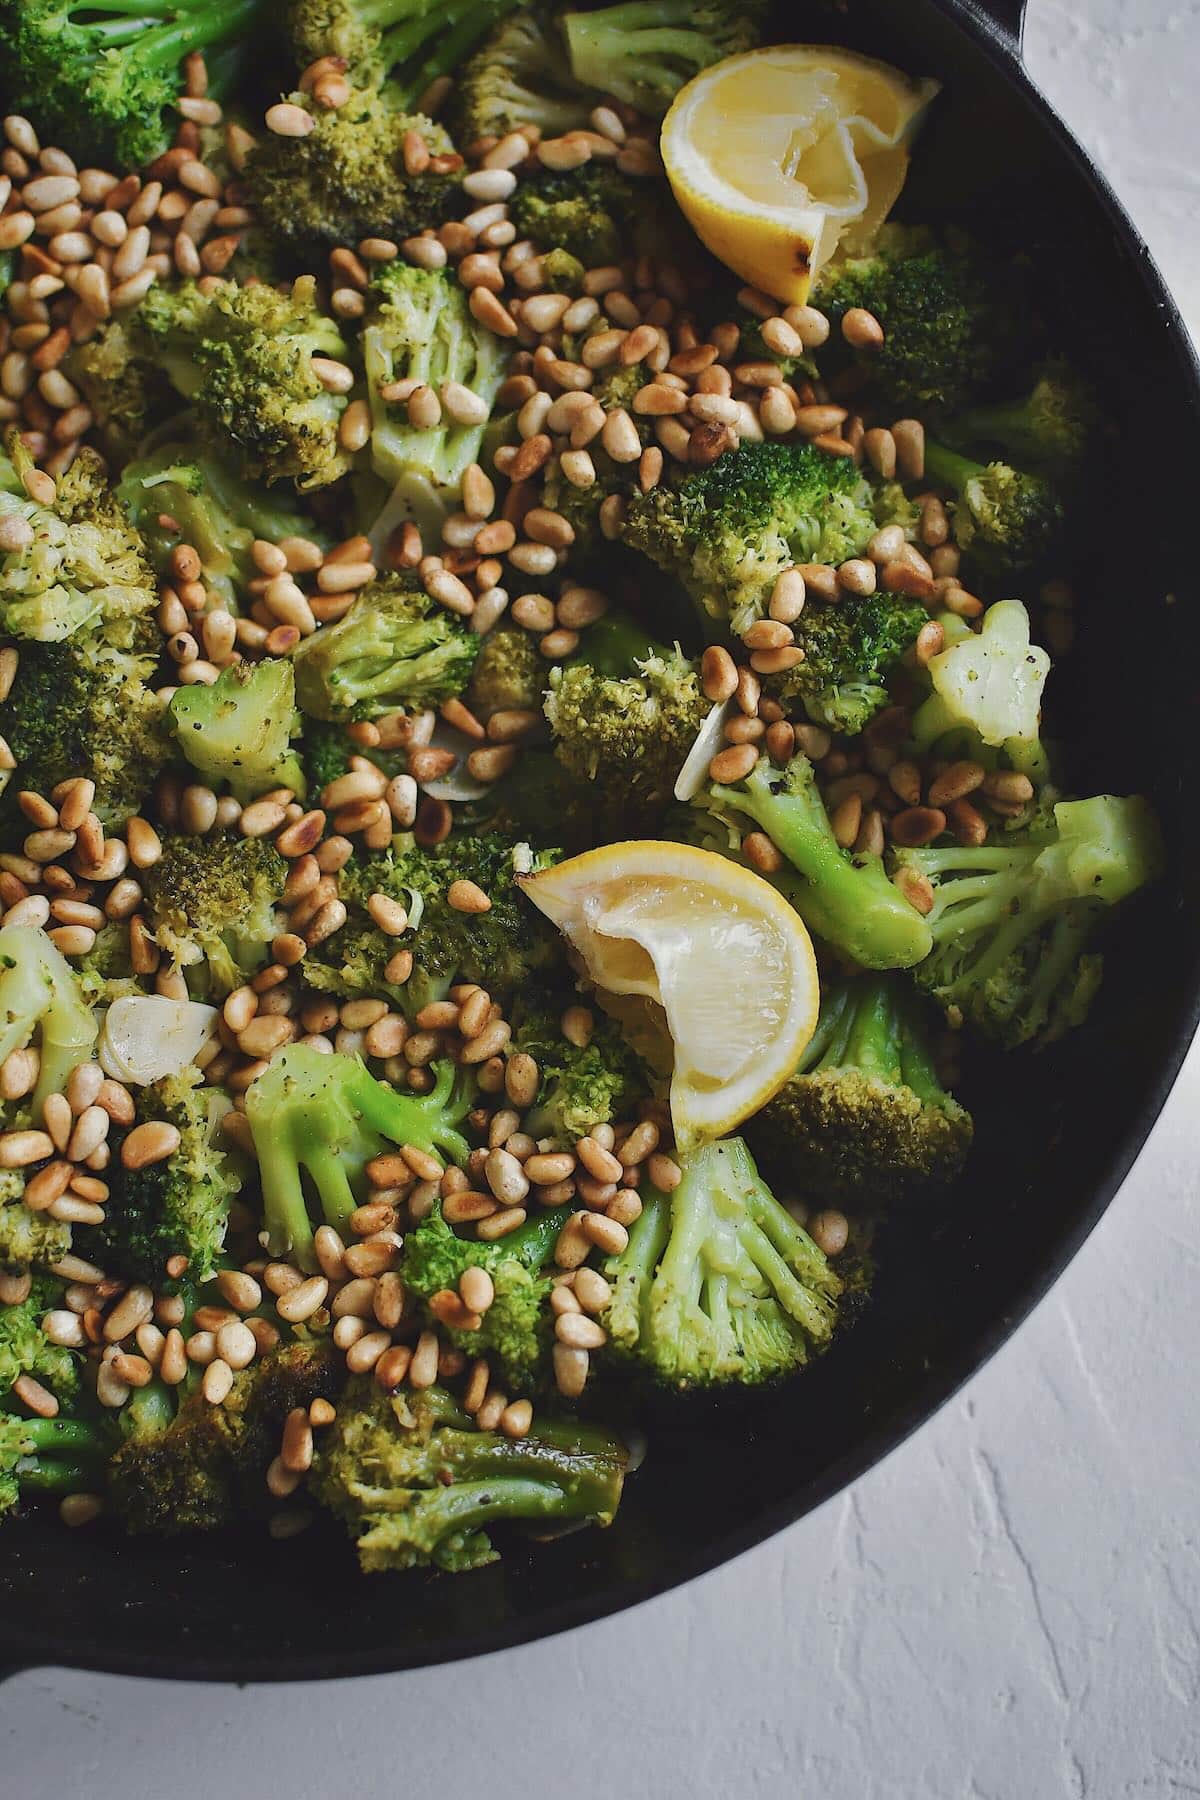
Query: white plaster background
{"points": [[1007, 1609]]}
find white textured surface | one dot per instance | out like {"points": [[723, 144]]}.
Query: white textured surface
{"points": [[1007, 1609]]}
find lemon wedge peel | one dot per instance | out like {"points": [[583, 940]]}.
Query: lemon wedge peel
{"points": [[722, 953], [781, 156]]}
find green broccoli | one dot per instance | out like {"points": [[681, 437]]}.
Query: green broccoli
{"points": [[178, 1206], [850, 649], [405, 43], [519, 76], [126, 393], [846, 900], [1051, 428], [239, 729], [396, 647], [864, 1116], [718, 1284], [728, 531], [102, 77], [643, 51], [990, 684], [1004, 521], [318, 1120], [211, 902], [26, 1350], [28, 1239], [516, 1331], [510, 674], [536, 802], [49, 1456], [593, 212], [421, 329], [1011, 920], [416, 1481], [326, 752], [579, 1086], [40, 993]]}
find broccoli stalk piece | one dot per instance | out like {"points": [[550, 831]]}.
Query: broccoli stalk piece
{"points": [[727, 532], [516, 1331], [239, 729], [212, 902], [178, 1206], [26, 1350], [850, 650], [990, 684], [519, 76], [49, 1456], [643, 51], [407, 43], [28, 1239], [323, 1118], [580, 1086], [396, 647], [864, 1116], [416, 1482], [1011, 921], [846, 900], [1051, 427], [40, 993], [421, 329], [1004, 520], [100, 76], [718, 1284]]}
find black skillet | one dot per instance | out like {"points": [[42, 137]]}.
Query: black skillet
{"points": [[1056, 1134]]}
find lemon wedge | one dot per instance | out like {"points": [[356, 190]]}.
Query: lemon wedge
{"points": [[781, 156], [712, 944]]}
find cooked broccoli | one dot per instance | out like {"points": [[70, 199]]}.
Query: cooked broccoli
{"points": [[243, 357], [536, 802], [846, 900], [408, 43], [718, 1284], [864, 1115], [102, 77], [82, 564], [990, 684], [1011, 920], [211, 901], [26, 1350], [178, 1206], [510, 674], [421, 329], [580, 1086], [519, 76], [1004, 521], [326, 753], [40, 993], [49, 1456], [396, 647], [729, 530], [592, 212], [643, 51], [850, 649], [416, 1481], [517, 1330], [948, 316], [209, 507], [500, 949], [28, 1239], [126, 392], [346, 179], [627, 735], [318, 1120], [1051, 428], [239, 728]]}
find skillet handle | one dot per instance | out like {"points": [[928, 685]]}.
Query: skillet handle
{"points": [[1005, 19]]}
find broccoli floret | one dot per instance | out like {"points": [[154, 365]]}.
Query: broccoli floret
{"points": [[210, 508], [28, 1239], [628, 736], [510, 674], [728, 531], [947, 314], [40, 993], [1011, 920], [580, 1086], [396, 647], [326, 752], [421, 330], [592, 212], [178, 1206], [49, 1456], [416, 1482], [849, 651], [516, 1331], [1051, 428], [990, 684], [101, 77], [718, 1284], [346, 179], [535, 802], [846, 900], [239, 728], [519, 76], [864, 1116], [212, 901], [643, 51], [127, 394], [26, 1350], [1004, 520], [319, 1120], [408, 42], [243, 357]]}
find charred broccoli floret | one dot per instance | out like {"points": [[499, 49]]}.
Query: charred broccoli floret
{"points": [[1004, 520], [580, 1085], [850, 649], [643, 51], [592, 212], [239, 728], [396, 647], [212, 901], [519, 75], [510, 674]]}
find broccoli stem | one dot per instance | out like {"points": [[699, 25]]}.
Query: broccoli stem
{"points": [[167, 44], [64, 1455], [949, 467]]}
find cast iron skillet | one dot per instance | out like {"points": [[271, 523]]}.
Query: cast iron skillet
{"points": [[1056, 1135]]}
